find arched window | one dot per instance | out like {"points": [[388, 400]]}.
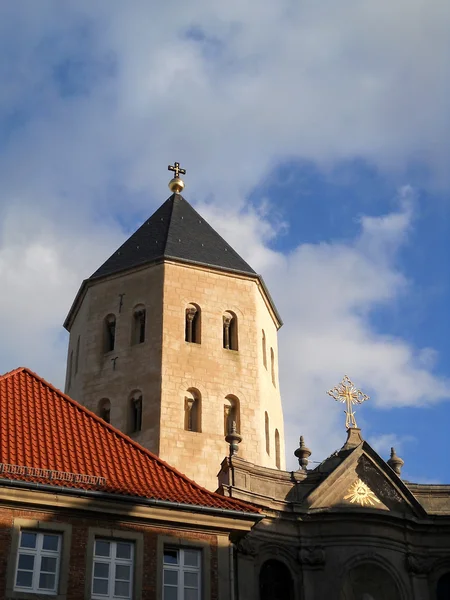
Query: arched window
{"points": [[275, 581], [192, 328], [266, 423], [104, 410], [138, 325], [192, 410], [231, 414], [272, 366], [277, 449], [443, 587], [109, 333], [230, 331], [77, 355], [135, 404], [264, 349], [369, 580]]}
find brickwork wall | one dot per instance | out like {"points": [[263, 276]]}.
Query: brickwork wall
{"points": [[79, 548]]}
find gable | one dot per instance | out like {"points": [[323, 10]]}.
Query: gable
{"points": [[363, 481]]}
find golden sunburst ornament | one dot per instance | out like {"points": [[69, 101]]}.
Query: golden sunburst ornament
{"points": [[361, 493]]}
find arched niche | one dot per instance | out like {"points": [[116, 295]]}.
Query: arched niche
{"points": [[443, 587], [369, 581], [275, 581]]}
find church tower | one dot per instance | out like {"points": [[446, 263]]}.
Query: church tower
{"points": [[173, 339]]}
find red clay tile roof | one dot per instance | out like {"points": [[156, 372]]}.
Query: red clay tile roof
{"points": [[42, 428]]}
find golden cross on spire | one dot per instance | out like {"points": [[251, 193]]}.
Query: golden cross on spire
{"points": [[176, 167], [347, 392], [176, 185]]}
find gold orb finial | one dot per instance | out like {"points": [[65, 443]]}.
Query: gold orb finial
{"points": [[176, 185]]}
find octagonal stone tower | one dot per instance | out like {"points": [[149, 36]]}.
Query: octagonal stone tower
{"points": [[172, 339]]}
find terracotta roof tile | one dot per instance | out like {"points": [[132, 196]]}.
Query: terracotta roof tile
{"points": [[42, 428]]}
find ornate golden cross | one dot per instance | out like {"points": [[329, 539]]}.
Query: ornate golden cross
{"points": [[347, 392], [176, 168]]}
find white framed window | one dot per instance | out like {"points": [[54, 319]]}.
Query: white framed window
{"points": [[112, 573], [38, 562], [181, 574]]}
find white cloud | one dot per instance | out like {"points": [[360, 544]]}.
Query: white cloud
{"points": [[326, 294]]}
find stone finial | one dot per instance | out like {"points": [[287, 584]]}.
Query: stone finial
{"points": [[354, 438], [234, 439], [302, 453], [395, 462]]}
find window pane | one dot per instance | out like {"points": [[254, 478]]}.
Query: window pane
{"points": [[102, 548], [171, 557], [46, 581], [100, 586], [28, 540], [122, 589], [123, 550], [50, 542], [123, 572], [191, 580], [170, 577], [48, 564], [24, 578], [101, 570], [191, 594], [26, 561], [170, 593], [191, 558]]}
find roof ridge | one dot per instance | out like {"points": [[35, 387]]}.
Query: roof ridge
{"points": [[14, 372], [119, 433]]}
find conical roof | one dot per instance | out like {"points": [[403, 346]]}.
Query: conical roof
{"points": [[175, 231]]}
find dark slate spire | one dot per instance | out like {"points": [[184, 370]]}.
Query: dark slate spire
{"points": [[175, 231]]}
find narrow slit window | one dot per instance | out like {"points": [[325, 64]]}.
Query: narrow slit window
{"points": [[272, 366], [264, 348], [267, 432], [277, 449], [69, 378], [77, 355]]}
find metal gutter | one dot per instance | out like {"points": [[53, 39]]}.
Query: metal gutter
{"points": [[130, 499]]}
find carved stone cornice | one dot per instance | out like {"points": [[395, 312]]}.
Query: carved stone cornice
{"points": [[247, 547], [312, 556]]}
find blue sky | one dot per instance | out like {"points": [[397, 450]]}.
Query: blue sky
{"points": [[316, 139]]}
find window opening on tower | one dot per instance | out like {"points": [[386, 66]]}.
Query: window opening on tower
{"points": [[139, 318], [193, 324], [110, 333], [230, 331], [192, 411]]}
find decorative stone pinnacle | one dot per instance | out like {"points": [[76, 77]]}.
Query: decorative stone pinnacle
{"points": [[302, 453], [176, 185], [395, 462], [234, 439], [347, 392]]}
